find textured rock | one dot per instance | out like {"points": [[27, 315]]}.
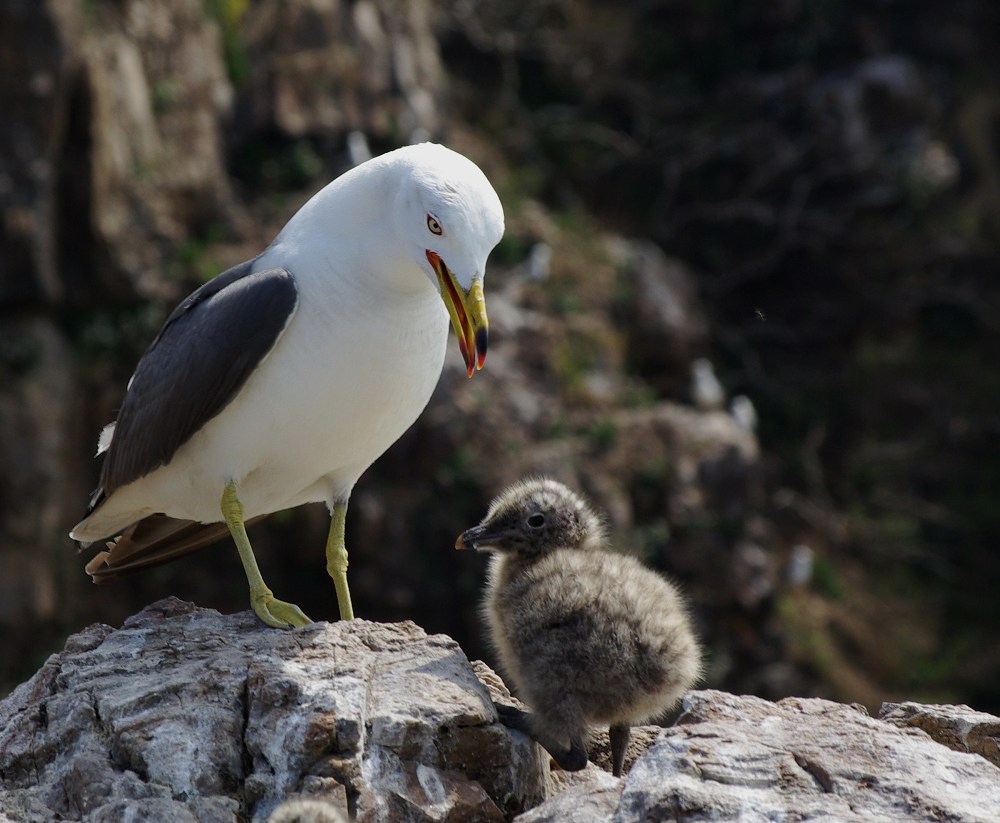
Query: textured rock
{"points": [[592, 798], [670, 328], [117, 155], [188, 715], [957, 727], [35, 426], [743, 758], [110, 157], [185, 714], [746, 759], [321, 67], [35, 89]]}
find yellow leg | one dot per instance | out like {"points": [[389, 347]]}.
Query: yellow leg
{"points": [[336, 559], [272, 611]]}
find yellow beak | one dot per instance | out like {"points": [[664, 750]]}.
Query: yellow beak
{"points": [[467, 311]]}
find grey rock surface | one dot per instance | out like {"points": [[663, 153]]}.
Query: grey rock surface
{"points": [[317, 67], [592, 797], [186, 714], [747, 759], [957, 727]]}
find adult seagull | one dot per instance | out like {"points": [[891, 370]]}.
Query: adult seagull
{"points": [[281, 380]]}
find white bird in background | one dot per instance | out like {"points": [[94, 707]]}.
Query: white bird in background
{"points": [[706, 390], [358, 151], [744, 413], [539, 262], [280, 381]]}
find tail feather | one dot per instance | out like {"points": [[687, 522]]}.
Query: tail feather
{"points": [[152, 541]]}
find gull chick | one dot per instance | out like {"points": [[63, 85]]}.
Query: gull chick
{"points": [[586, 635]]}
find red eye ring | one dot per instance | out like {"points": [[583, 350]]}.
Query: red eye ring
{"points": [[433, 226]]}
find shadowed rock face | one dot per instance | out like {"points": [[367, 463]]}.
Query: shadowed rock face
{"points": [[184, 714]]}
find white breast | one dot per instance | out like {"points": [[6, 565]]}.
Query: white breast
{"points": [[341, 385]]}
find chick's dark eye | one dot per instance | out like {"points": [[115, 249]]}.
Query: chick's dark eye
{"points": [[433, 226], [536, 521]]}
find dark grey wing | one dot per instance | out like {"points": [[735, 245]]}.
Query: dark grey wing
{"points": [[202, 356]]}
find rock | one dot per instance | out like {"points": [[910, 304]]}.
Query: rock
{"points": [[35, 92], [157, 101], [802, 759], [117, 155], [110, 158], [186, 714], [36, 427], [592, 799], [957, 727], [677, 461], [320, 67], [743, 758], [640, 739], [668, 325]]}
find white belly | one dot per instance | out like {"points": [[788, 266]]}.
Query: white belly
{"points": [[331, 397]]}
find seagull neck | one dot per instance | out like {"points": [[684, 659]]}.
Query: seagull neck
{"points": [[342, 213], [346, 232]]}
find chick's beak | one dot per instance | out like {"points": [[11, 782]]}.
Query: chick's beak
{"points": [[487, 537], [465, 540], [467, 310]]}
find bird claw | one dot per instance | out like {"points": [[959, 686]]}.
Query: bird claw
{"points": [[278, 613]]}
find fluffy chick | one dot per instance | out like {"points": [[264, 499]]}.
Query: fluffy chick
{"points": [[586, 636], [307, 810]]}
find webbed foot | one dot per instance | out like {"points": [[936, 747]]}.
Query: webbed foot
{"points": [[277, 613]]}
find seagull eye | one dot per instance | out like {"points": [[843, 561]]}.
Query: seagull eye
{"points": [[433, 226], [536, 521]]}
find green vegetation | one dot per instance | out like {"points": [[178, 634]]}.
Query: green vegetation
{"points": [[195, 256], [165, 95], [20, 354], [117, 336], [825, 578], [264, 163], [229, 15], [603, 433]]}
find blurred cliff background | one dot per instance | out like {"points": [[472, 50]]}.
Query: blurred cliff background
{"points": [[803, 196]]}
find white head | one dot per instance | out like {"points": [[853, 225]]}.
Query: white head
{"points": [[419, 208], [450, 217]]}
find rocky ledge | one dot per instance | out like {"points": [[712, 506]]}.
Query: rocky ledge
{"points": [[185, 714]]}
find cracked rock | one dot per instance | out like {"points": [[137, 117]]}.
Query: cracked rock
{"points": [[184, 714]]}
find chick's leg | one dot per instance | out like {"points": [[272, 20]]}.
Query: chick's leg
{"points": [[618, 734]]}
